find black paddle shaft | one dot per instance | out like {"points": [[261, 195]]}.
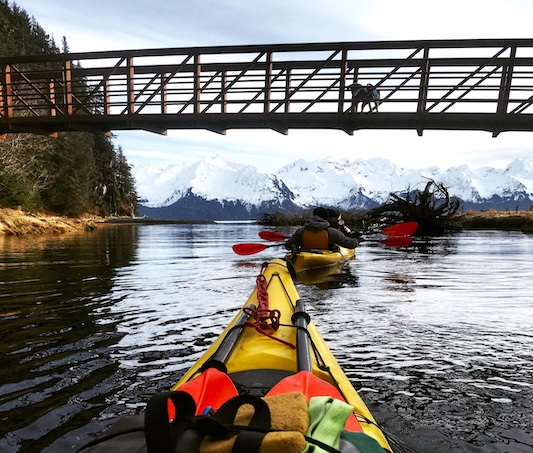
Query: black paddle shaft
{"points": [[301, 319]]}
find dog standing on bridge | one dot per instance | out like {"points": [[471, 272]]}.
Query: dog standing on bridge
{"points": [[366, 96]]}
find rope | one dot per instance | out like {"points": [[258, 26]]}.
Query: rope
{"points": [[262, 315], [266, 320]]}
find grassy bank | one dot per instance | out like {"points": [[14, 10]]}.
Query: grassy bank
{"points": [[474, 220], [17, 222], [496, 220]]}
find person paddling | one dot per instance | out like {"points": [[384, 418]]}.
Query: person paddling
{"points": [[317, 233]]}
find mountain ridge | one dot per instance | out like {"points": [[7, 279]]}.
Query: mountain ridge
{"points": [[217, 188]]}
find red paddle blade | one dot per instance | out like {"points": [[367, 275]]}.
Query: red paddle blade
{"points": [[272, 236], [248, 249], [310, 385], [397, 241], [212, 388], [400, 229]]}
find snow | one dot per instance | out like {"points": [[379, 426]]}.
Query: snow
{"points": [[326, 181], [214, 178]]}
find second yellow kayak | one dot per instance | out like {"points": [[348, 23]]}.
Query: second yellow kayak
{"points": [[305, 260]]}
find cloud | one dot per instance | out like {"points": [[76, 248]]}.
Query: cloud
{"points": [[101, 25]]}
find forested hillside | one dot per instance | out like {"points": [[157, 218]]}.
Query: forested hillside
{"points": [[73, 174]]}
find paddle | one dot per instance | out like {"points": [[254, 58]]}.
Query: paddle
{"points": [[400, 229], [272, 236], [397, 230], [253, 248]]}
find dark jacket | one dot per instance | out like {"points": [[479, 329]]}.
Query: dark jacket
{"points": [[335, 237]]}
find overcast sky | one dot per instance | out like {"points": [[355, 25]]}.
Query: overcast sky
{"points": [[98, 25]]}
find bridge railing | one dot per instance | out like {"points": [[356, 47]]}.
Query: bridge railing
{"points": [[157, 89]]}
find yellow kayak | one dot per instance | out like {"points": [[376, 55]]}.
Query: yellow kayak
{"points": [[281, 354], [305, 260], [267, 384]]}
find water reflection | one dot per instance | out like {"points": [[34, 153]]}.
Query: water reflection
{"points": [[330, 277], [51, 339], [436, 336], [447, 328]]}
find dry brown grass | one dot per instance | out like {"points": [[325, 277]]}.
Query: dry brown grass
{"points": [[497, 220], [17, 222]]}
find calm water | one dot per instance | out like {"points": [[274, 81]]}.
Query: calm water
{"points": [[438, 338]]}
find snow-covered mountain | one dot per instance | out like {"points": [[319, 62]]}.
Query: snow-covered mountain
{"points": [[217, 188], [214, 188]]}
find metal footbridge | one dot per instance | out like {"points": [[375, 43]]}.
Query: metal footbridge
{"points": [[443, 84]]}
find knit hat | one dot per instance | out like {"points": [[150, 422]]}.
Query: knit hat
{"points": [[333, 212], [321, 212]]}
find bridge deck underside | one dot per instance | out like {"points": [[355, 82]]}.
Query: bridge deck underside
{"points": [[452, 85], [281, 122]]}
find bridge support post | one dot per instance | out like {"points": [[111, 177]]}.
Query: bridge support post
{"points": [[67, 83], [7, 93], [268, 82], [342, 84], [423, 90], [131, 86], [505, 90], [197, 87]]}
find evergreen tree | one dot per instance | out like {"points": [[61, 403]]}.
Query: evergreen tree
{"points": [[12, 191], [126, 194], [77, 173], [21, 34], [73, 166], [104, 189], [64, 45]]}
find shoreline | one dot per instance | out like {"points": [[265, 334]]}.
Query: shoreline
{"points": [[15, 222], [150, 221], [496, 220]]}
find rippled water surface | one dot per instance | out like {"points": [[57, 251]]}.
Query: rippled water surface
{"points": [[437, 338]]}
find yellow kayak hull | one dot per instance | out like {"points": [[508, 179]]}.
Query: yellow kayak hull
{"points": [[244, 349], [309, 260]]}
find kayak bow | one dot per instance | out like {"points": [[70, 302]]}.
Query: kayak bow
{"points": [[284, 353], [268, 383]]}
